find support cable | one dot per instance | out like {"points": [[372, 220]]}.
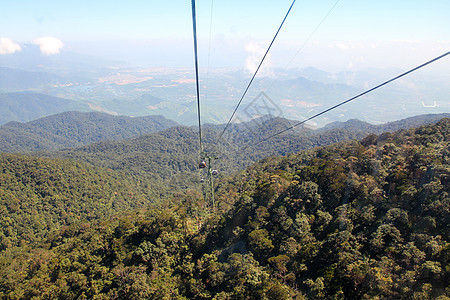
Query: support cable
{"points": [[311, 34], [194, 26], [256, 72], [351, 99], [209, 50]]}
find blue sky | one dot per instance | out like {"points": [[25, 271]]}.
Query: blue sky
{"points": [[394, 33]]}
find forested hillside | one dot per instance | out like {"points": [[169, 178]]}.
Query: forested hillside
{"points": [[416, 121], [75, 129], [173, 153], [355, 220], [39, 196]]}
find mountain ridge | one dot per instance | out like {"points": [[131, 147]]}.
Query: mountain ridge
{"points": [[355, 124], [174, 151], [75, 129], [27, 106]]}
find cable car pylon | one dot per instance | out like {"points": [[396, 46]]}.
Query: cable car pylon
{"points": [[208, 189]]}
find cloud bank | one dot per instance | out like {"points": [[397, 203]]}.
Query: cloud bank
{"points": [[49, 45], [7, 46], [254, 55]]}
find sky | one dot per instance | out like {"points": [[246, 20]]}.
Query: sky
{"points": [[327, 34]]}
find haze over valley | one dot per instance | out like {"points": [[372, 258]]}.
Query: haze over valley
{"points": [[297, 94]]}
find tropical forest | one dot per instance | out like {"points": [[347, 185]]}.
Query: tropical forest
{"points": [[352, 219]]}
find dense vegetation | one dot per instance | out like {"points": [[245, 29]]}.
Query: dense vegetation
{"points": [[75, 129], [356, 220], [359, 126], [170, 154], [39, 196]]}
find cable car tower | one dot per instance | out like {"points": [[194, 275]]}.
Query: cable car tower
{"points": [[206, 159]]}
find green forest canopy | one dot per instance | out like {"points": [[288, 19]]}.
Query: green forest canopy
{"points": [[355, 220]]}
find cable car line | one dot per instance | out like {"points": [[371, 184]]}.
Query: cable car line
{"points": [[351, 99], [312, 33], [307, 39], [205, 157], [209, 50], [194, 27], [256, 72]]}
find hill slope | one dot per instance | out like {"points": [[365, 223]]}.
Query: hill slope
{"points": [[356, 125], [39, 196], [74, 129], [355, 220], [23, 107], [19, 80]]}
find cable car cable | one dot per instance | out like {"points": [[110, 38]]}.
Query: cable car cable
{"points": [[312, 33], [351, 99], [209, 50], [256, 72], [194, 27], [298, 51], [307, 40], [202, 164]]}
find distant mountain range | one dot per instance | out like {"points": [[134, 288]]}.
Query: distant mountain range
{"points": [[75, 129], [360, 126], [174, 152], [26, 106], [17, 80]]}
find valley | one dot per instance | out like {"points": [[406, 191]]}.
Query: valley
{"points": [[119, 89]]}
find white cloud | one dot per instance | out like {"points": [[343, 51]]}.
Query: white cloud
{"points": [[49, 45], [7, 46], [342, 46], [254, 55]]}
